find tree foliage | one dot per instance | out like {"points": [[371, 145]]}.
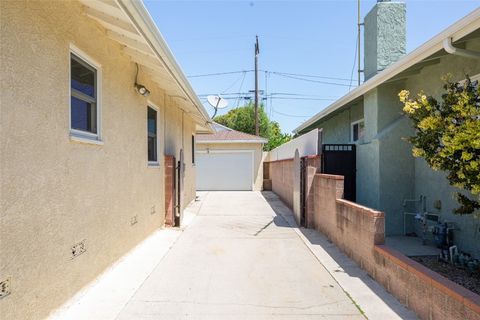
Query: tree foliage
{"points": [[447, 136], [243, 119]]}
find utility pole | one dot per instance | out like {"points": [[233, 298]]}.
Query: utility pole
{"points": [[257, 52], [358, 41]]}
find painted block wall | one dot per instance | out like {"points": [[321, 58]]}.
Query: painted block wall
{"points": [[56, 192]]}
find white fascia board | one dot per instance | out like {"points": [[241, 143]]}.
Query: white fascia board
{"points": [[461, 28], [143, 22], [230, 141]]}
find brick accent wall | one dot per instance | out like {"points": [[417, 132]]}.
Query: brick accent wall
{"points": [[267, 181], [353, 228], [169, 190], [312, 167], [281, 175], [424, 291], [360, 233]]}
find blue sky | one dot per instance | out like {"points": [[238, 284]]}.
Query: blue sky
{"points": [[296, 37]]}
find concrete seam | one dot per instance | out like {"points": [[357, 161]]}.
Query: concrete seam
{"points": [[302, 237], [160, 261]]}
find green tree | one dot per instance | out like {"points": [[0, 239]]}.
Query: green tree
{"points": [[447, 136], [243, 119]]}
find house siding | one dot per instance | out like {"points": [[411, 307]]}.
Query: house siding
{"points": [[387, 173], [56, 192], [433, 184], [337, 128]]}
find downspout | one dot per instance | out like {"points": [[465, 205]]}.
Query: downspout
{"points": [[448, 46]]}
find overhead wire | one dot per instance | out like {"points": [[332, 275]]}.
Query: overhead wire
{"points": [[354, 62], [273, 72], [218, 74], [310, 80], [240, 89], [290, 115]]}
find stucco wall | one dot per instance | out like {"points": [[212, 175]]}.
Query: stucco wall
{"points": [[433, 184], [336, 129], [385, 36], [258, 157], [386, 171], [56, 192]]}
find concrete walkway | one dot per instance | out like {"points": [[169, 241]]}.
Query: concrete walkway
{"points": [[241, 257], [238, 260]]}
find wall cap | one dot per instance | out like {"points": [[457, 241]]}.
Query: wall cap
{"points": [[330, 176], [371, 212], [450, 288]]}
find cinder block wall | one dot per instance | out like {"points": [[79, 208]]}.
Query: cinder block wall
{"points": [[360, 232], [281, 175], [312, 167]]}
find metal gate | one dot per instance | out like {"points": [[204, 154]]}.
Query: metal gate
{"points": [[340, 159], [303, 196]]}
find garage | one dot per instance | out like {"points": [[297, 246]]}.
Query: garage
{"points": [[228, 160], [226, 170]]}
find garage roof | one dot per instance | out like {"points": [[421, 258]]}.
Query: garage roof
{"points": [[227, 135]]}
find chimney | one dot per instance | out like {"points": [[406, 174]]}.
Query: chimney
{"points": [[384, 36]]}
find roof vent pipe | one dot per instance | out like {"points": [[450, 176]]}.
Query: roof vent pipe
{"points": [[448, 46]]}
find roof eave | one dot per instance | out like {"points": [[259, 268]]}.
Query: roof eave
{"points": [[145, 25], [230, 141], [458, 30]]}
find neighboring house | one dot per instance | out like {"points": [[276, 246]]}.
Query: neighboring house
{"points": [[370, 116], [82, 147], [229, 160]]}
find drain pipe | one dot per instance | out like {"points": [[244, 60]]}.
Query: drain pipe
{"points": [[448, 46]]}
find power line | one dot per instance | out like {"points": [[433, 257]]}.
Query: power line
{"points": [[287, 98], [310, 80], [230, 87], [310, 76], [240, 89], [294, 94], [290, 115], [218, 74], [354, 64], [273, 72]]}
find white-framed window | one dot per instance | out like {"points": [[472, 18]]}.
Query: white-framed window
{"points": [[85, 96], [357, 130], [152, 135]]}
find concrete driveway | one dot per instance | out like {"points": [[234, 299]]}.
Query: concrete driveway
{"points": [[238, 259]]}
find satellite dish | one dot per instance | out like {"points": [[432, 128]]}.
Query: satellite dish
{"points": [[217, 102]]}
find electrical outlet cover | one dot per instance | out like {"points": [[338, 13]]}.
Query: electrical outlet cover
{"points": [[5, 288]]}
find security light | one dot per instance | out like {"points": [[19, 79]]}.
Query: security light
{"points": [[140, 87], [142, 90]]}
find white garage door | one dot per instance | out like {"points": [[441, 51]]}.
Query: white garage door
{"points": [[224, 170]]}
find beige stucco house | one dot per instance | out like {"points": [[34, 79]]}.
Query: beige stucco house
{"points": [[83, 143], [229, 160]]}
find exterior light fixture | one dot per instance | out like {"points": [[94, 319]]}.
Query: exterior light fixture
{"points": [[140, 88]]}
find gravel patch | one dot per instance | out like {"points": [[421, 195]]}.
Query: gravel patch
{"points": [[456, 274]]}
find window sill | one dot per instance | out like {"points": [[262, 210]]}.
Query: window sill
{"points": [[153, 164], [87, 140]]}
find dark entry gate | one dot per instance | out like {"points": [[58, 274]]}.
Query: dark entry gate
{"points": [[340, 159]]}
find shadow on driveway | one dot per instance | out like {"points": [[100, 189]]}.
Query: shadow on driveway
{"points": [[337, 263]]}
